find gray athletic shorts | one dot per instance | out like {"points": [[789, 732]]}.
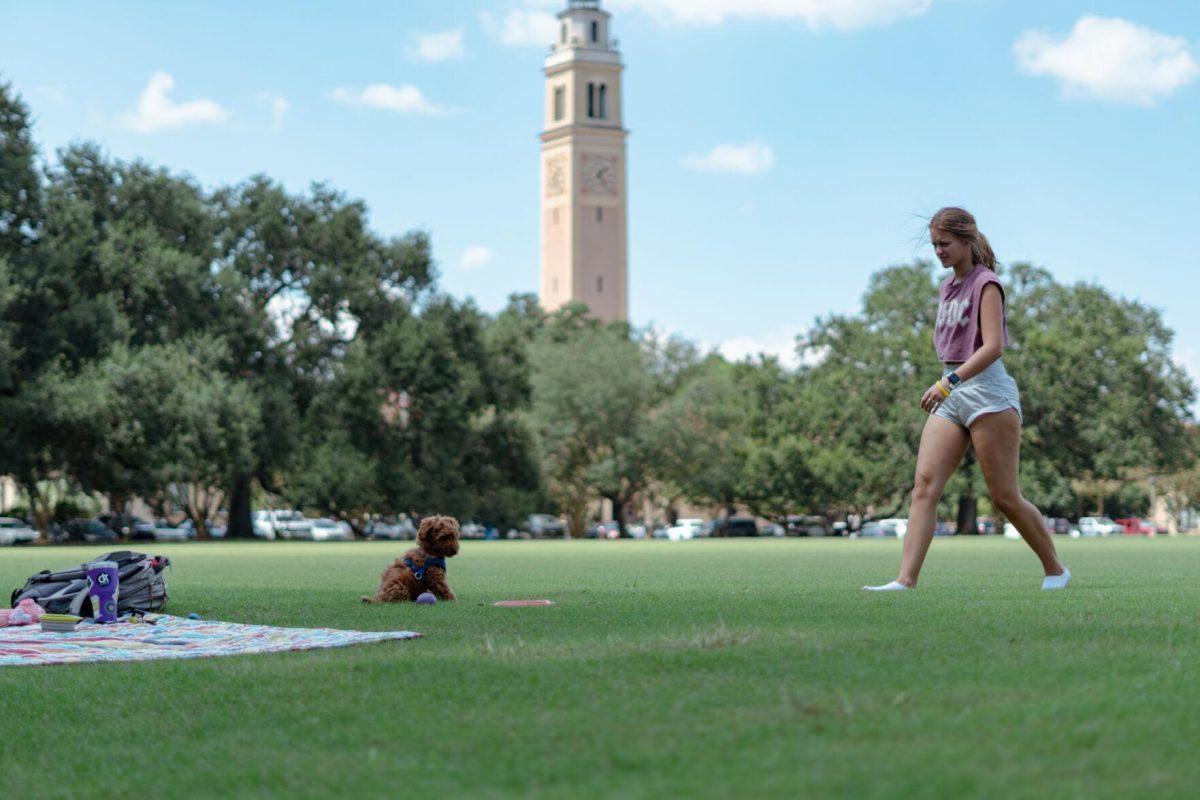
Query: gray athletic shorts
{"points": [[988, 392]]}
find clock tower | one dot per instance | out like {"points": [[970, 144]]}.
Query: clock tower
{"points": [[584, 253]]}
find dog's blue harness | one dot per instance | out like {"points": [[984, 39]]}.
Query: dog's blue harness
{"points": [[419, 572]]}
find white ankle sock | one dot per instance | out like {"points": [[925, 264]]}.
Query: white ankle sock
{"points": [[894, 586], [1057, 581]]}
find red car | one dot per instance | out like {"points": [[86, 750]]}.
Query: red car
{"points": [[1135, 526]]}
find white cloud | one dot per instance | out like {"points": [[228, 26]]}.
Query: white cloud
{"points": [[442, 46], [475, 257], [278, 106], [816, 14], [406, 99], [521, 27], [156, 111], [743, 159], [1110, 58], [780, 343]]}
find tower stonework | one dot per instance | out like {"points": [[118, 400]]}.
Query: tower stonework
{"points": [[584, 253]]}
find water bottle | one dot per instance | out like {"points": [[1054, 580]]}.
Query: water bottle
{"points": [[103, 579]]}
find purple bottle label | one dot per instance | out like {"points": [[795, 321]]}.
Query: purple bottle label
{"points": [[104, 590]]}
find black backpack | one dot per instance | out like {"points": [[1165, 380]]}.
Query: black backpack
{"points": [[141, 586]]}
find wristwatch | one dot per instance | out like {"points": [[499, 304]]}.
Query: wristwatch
{"points": [[953, 378]]}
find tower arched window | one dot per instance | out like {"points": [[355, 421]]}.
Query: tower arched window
{"points": [[603, 101], [591, 100], [595, 31]]}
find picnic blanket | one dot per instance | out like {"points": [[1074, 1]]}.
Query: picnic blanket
{"points": [[170, 637]]}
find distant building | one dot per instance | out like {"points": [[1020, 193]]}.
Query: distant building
{"points": [[584, 252]]}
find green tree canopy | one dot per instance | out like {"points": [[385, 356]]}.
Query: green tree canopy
{"points": [[162, 422]]}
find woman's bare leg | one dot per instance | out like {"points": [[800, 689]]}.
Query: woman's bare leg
{"points": [[997, 440], [943, 444]]}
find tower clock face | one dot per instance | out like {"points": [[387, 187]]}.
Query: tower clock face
{"points": [[599, 174], [556, 176]]}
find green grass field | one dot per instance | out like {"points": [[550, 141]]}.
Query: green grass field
{"points": [[692, 669]]}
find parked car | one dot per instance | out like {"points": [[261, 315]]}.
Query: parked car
{"points": [[811, 525], [895, 526], [263, 524], [291, 525], [216, 530], [1136, 526], [280, 523], [390, 529], [472, 530], [944, 528], [735, 526], [15, 531], [635, 530], [544, 526], [689, 528], [141, 529], [1097, 526], [773, 529], [329, 530], [164, 531], [1061, 526], [87, 530], [128, 526], [608, 529], [872, 529], [1011, 532], [986, 526]]}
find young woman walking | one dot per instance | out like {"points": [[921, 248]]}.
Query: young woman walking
{"points": [[974, 402]]}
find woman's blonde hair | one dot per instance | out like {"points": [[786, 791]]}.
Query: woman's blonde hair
{"points": [[959, 222]]}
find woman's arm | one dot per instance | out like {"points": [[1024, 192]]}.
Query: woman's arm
{"points": [[991, 326]]}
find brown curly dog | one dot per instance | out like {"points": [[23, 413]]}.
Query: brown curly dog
{"points": [[423, 568]]}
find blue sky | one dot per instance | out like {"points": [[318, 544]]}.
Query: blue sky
{"points": [[826, 126]]}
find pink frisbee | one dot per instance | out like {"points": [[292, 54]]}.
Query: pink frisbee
{"points": [[523, 603]]}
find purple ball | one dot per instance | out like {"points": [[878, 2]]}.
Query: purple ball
{"points": [[426, 599]]}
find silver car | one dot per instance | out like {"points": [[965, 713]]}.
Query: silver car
{"points": [[164, 531], [1097, 526], [14, 531], [328, 530]]}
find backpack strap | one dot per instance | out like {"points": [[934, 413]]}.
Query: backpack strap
{"points": [[123, 558], [77, 602]]}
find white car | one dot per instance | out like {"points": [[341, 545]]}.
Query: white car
{"points": [[281, 523], [14, 531], [685, 529], [328, 530], [263, 524], [166, 532], [894, 526], [1011, 532], [1097, 526]]}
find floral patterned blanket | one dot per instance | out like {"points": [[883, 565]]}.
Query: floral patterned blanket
{"points": [[169, 637]]}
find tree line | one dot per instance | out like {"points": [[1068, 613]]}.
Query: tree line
{"points": [[200, 348]]}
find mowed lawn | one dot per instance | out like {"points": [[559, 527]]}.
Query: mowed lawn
{"points": [[692, 669]]}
